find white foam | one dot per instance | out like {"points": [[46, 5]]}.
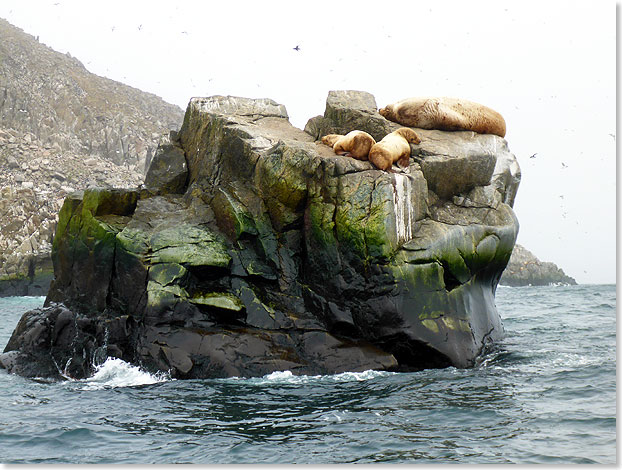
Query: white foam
{"points": [[359, 376], [287, 377], [279, 375], [114, 373]]}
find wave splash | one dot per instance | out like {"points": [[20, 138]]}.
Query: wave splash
{"points": [[114, 373], [287, 377]]}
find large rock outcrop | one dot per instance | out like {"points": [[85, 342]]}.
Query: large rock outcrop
{"points": [[264, 251]]}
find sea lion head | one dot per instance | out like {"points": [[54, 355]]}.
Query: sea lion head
{"points": [[386, 112], [330, 139], [409, 135]]}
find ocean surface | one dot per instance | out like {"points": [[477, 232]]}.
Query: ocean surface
{"points": [[545, 394]]}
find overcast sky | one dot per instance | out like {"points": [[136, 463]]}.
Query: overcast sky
{"points": [[549, 67]]}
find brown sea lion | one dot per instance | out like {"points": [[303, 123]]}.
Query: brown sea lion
{"points": [[394, 147], [355, 144], [448, 114]]}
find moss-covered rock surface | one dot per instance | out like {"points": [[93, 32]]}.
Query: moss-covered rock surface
{"points": [[265, 251]]}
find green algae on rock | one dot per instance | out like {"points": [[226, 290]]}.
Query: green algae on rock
{"points": [[270, 252]]}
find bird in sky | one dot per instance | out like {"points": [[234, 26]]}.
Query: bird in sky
{"points": [[297, 48], [564, 165], [534, 155]]}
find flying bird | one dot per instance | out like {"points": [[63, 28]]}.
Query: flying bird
{"points": [[534, 155], [297, 48], [613, 135], [564, 165]]}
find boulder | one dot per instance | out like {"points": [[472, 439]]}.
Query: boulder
{"points": [[168, 171], [281, 255], [348, 110]]}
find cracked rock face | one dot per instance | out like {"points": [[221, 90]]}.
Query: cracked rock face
{"points": [[276, 254]]}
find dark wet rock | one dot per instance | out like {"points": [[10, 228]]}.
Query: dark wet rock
{"points": [[281, 255], [55, 342]]}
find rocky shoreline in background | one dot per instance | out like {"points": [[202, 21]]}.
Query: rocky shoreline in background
{"points": [[54, 97], [524, 269], [35, 178], [62, 129]]}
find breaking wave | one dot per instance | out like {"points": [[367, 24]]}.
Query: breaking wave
{"points": [[114, 373], [287, 377]]}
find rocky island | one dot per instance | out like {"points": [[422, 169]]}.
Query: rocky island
{"points": [[525, 269], [253, 248]]}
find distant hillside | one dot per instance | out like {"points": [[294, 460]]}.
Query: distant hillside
{"points": [[53, 96], [62, 129], [524, 269]]}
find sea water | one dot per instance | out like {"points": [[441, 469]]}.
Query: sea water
{"points": [[545, 394]]}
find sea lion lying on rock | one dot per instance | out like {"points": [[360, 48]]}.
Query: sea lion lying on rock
{"points": [[394, 147], [448, 114], [355, 144]]}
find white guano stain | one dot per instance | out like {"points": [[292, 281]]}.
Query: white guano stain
{"points": [[402, 191]]}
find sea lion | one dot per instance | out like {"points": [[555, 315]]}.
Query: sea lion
{"points": [[355, 144], [448, 114], [394, 147]]}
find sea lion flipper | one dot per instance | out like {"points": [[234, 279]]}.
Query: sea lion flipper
{"points": [[403, 161]]}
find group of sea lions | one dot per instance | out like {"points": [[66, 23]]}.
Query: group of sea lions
{"points": [[448, 114], [393, 148]]}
